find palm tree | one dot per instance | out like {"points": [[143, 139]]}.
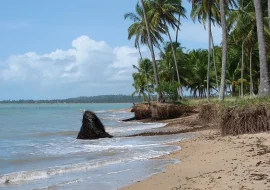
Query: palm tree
{"points": [[269, 12], [163, 13], [139, 31], [197, 82], [264, 88], [166, 64], [224, 50], [244, 27], [179, 20], [138, 28], [214, 59], [206, 10], [141, 78], [150, 44]]}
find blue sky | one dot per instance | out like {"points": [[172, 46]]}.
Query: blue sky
{"points": [[59, 49]]}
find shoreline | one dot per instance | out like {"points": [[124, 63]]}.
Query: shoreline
{"points": [[211, 161]]}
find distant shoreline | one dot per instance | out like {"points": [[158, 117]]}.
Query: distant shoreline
{"points": [[66, 103], [81, 100]]}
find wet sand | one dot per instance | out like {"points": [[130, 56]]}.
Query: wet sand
{"points": [[211, 161]]}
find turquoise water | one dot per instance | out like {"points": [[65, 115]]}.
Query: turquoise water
{"points": [[39, 148]]}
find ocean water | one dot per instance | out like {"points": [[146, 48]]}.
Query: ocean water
{"points": [[39, 150]]}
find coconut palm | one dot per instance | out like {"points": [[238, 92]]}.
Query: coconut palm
{"points": [[269, 13], [142, 78], [138, 28], [242, 23], [264, 88], [224, 50], [139, 32], [150, 44], [206, 11], [163, 13], [197, 82], [166, 64]]}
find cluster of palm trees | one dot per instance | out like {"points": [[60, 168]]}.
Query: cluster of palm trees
{"points": [[217, 71]]}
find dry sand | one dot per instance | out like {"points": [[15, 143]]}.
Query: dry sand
{"points": [[211, 161]]}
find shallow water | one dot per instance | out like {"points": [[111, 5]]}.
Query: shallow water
{"points": [[39, 149]]}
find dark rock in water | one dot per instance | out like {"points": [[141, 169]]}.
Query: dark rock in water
{"points": [[92, 127], [130, 119]]}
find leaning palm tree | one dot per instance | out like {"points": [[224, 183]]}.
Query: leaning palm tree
{"points": [[264, 88], [150, 44], [145, 33], [138, 28], [163, 13], [206, 10]]}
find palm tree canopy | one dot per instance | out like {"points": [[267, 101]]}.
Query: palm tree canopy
{"points": [[138, 28]]}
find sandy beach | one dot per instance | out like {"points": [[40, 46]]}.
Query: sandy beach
{"points": [[211, 161]]}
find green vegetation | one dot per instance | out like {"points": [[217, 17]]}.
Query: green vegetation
{"points": [[237, 68], [92, 99]]}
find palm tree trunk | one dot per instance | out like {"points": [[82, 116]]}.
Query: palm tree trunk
{"points": [[148, 92], [250, 70], [242, 71], [159, 98], [177, 29], [264, 88], [214, 58], [176, 66], [224, 50], [269, 12], [209, 52]]}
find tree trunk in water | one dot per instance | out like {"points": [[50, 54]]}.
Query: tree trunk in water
{"points": [[214, 58], [209, 52], [251, 77], [264, 88], [176, 66], [224, 50], [159, 98], [148, 92], [242, 71]]}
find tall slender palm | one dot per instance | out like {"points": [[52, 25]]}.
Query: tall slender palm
{"points": [[238, 24], [214, 59], [206, 11], [163, 13], [150, 45], [224, 49], [269, 13], [264, 88], [242, 23], [139, 32], [179, 21]]}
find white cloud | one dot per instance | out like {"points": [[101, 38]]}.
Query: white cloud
{"points": [[83, 69]]}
